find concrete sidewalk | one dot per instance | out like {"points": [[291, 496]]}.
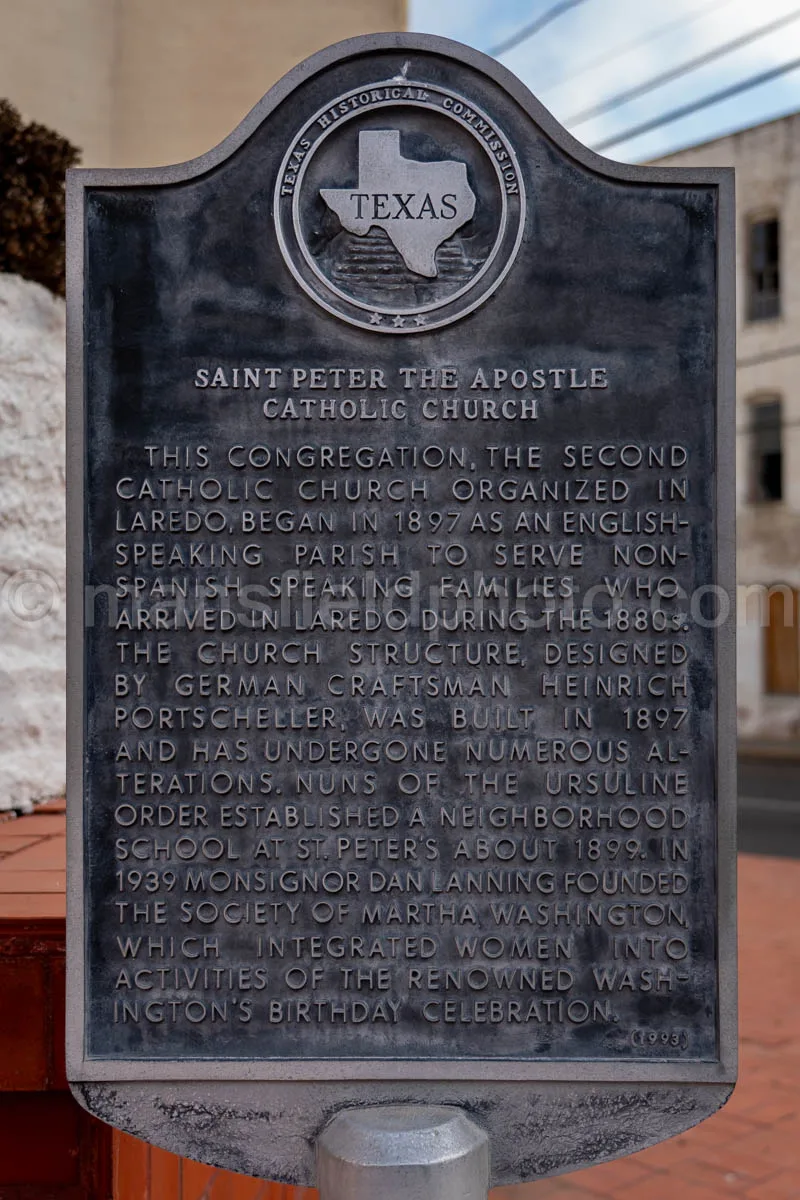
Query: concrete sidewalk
{"points": [[752, 1147]]}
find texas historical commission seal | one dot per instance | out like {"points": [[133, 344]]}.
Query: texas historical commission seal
{"points": [[400, 206]]}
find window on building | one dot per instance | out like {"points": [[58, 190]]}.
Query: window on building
{"points": [[781, 643], [764, 294], [766, 445]]}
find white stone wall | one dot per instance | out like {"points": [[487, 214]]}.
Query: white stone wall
{"points": [[32, 561], [767, 163]]}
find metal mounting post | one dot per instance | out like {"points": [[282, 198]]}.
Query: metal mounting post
{"points": [[403, 1152]]}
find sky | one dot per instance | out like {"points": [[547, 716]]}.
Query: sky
{"points": [[603, 47]]}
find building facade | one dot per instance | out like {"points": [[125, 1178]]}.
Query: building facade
{"points": [[145, 82], [767, 162]]}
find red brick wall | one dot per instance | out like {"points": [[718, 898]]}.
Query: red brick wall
{"points": [[143, 1172], [50, 1149]]}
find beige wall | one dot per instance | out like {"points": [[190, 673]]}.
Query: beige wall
{"points": [[189, 70], [767, 163], [56, 61], [148, 82]]}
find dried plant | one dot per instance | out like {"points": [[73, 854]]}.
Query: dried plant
{"points": [[33, 162]]}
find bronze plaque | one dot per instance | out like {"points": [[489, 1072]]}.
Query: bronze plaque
{"points": [[400, 481]]}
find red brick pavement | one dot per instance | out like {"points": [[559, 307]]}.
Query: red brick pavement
{"points": [[33, 864], [750, 1149]]}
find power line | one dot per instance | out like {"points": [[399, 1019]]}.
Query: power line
{"points": [[675, 72], [602, 59], [528, 31], [686, 110]]}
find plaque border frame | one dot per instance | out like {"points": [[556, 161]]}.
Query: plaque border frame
{"points": [[82, 1069]]}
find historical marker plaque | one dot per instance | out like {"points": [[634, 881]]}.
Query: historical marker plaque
{"points": [[401, 663]]}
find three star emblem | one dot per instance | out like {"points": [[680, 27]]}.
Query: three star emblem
{"points": [[398, 321]]}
